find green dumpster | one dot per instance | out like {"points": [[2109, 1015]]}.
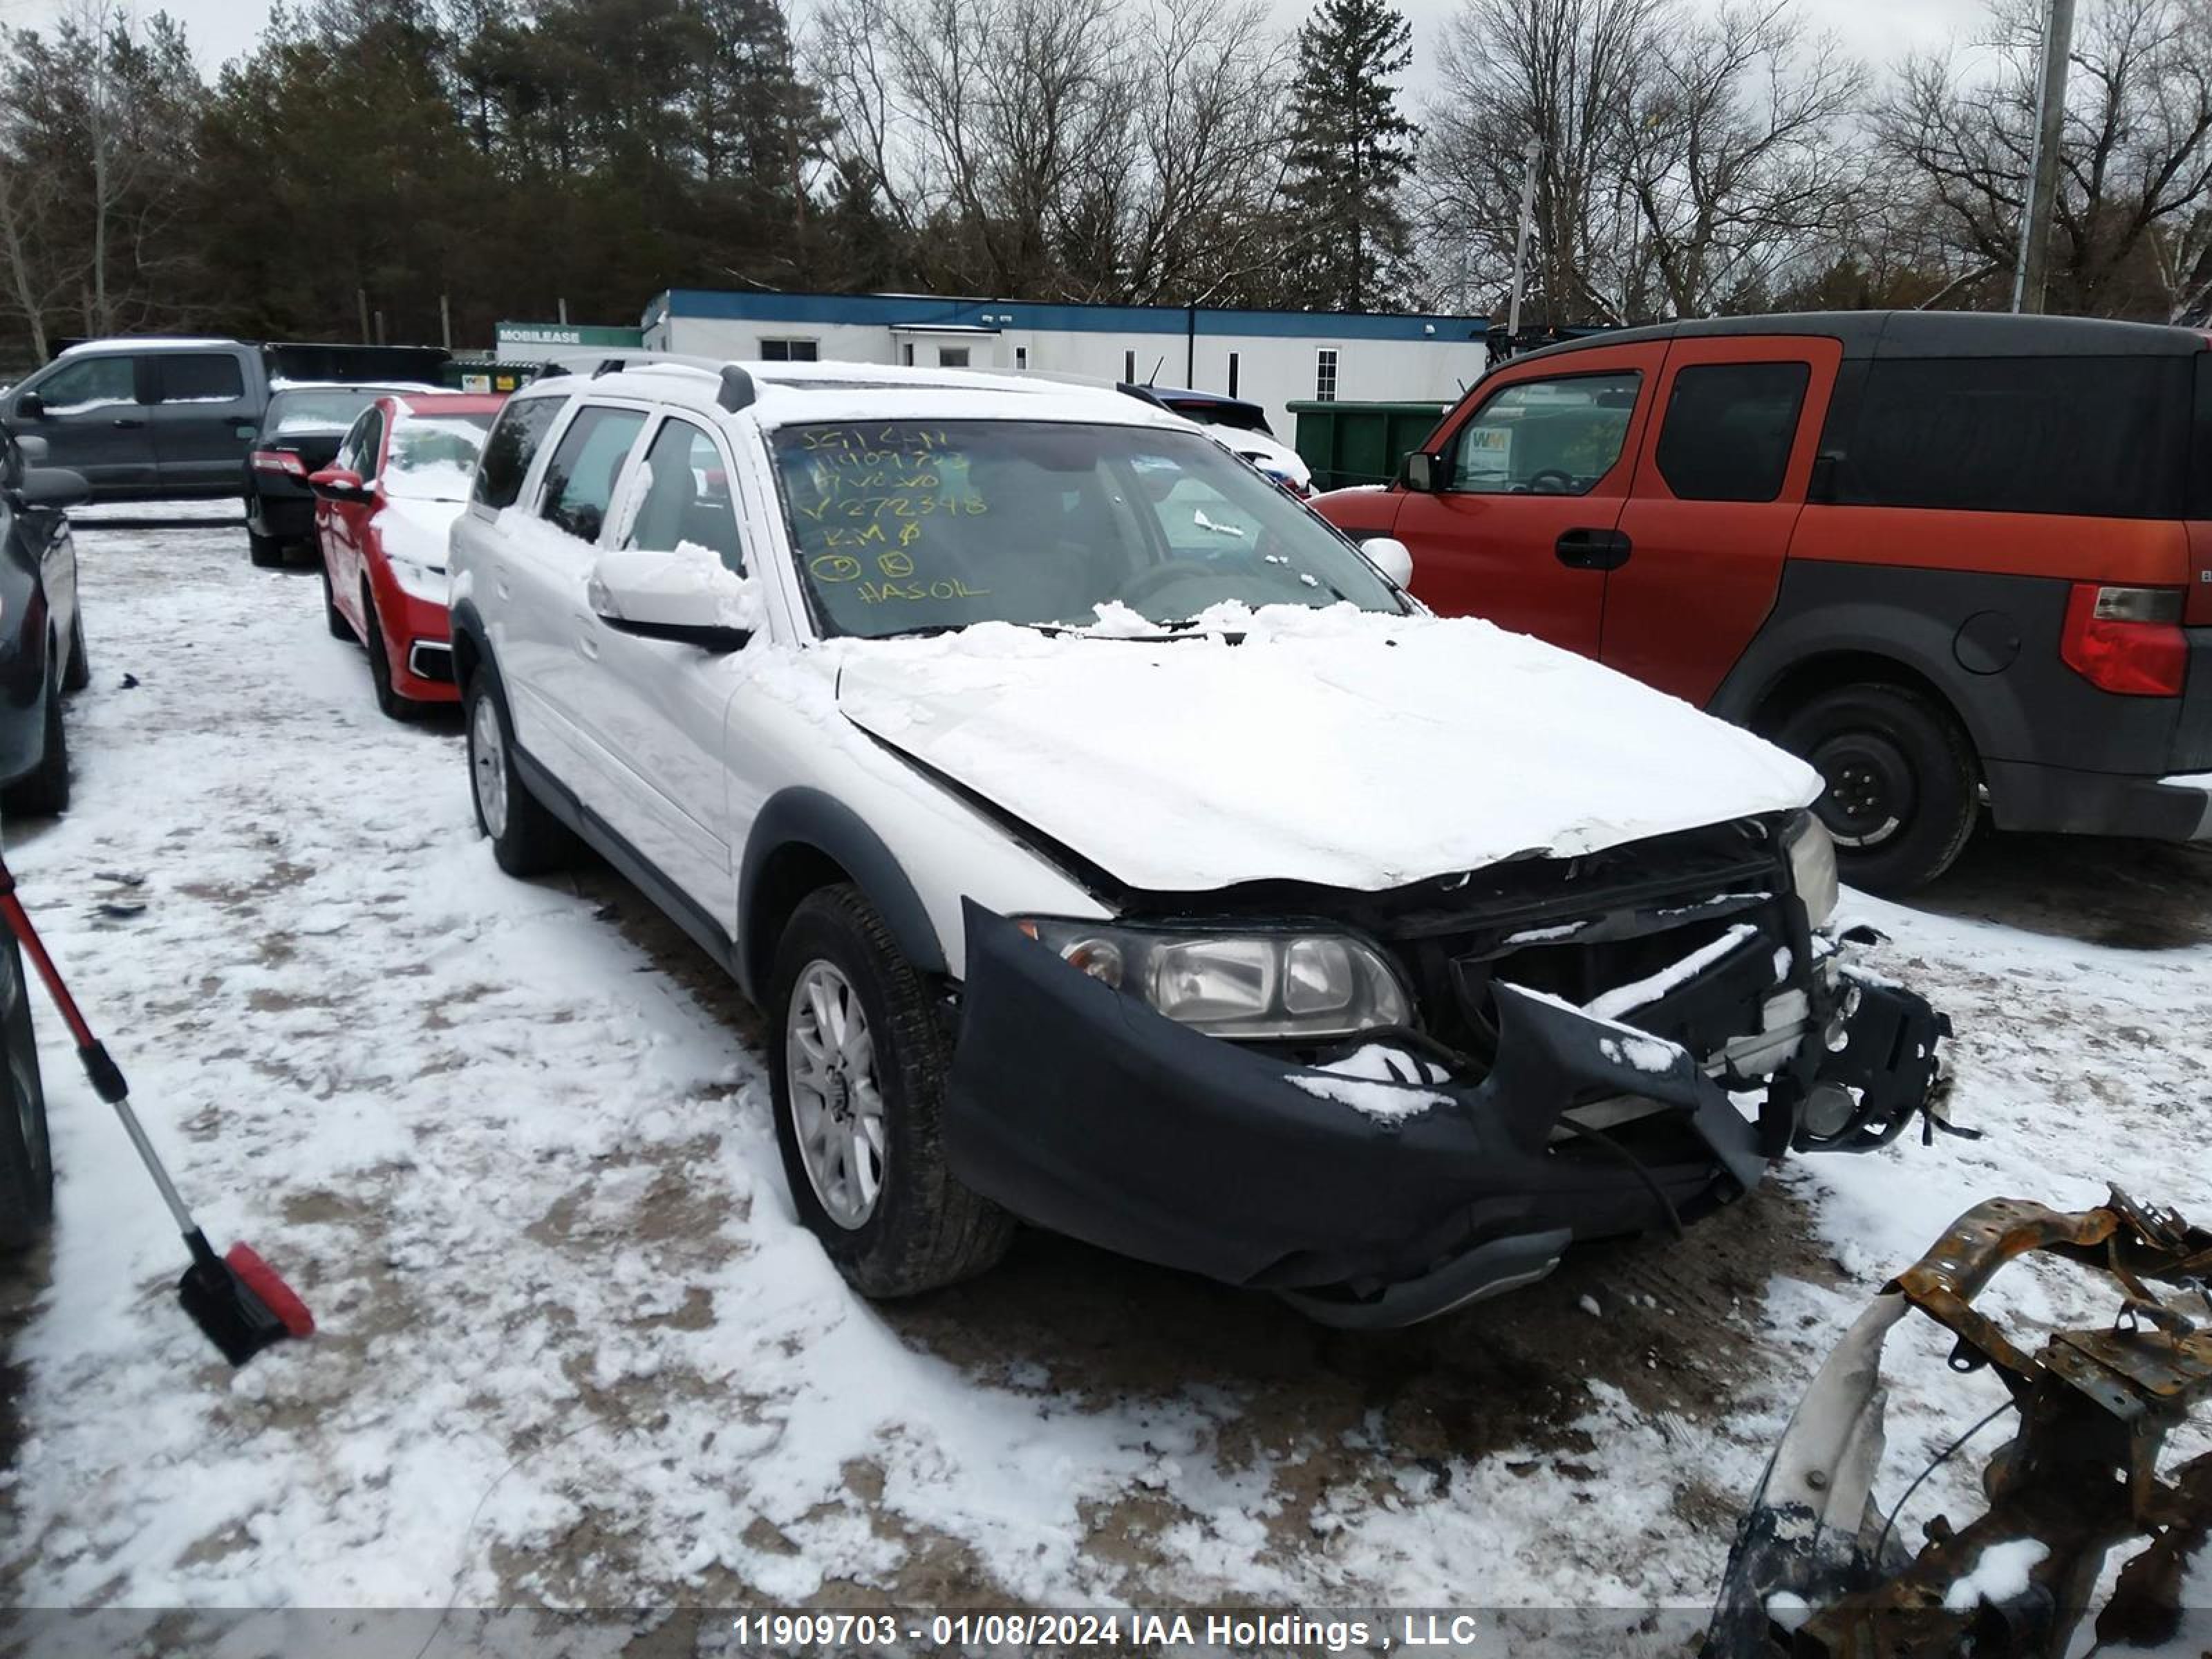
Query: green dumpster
{"points": [[1349, 443]]}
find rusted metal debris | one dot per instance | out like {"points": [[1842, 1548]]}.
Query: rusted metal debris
{"points": [[1817, 1572]]}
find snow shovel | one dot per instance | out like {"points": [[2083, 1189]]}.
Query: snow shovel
{"points": [[237, 1299]]}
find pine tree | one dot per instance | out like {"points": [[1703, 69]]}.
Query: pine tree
{"points": [[1351, 151]]}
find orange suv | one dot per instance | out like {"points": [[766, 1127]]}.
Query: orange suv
{"points": [[1948, 558]]}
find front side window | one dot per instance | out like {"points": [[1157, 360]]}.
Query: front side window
{"points": [[512, 446], [1729, 428], [197, 378], [916, 526], [2100, 437], [434, 456], [686, 500], [1325, 375], [579, 480], [358, 453], [87, 385], [1545, 437]]}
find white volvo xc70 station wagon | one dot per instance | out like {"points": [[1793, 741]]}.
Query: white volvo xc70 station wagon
{"points": [[1115, 847]]}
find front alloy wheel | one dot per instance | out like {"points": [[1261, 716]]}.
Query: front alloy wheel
{"points": [[836, 1104], [487, 767]]}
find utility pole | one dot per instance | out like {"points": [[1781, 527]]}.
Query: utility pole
{"points": [[445, 321], [2031, 275], [1531, 156]]}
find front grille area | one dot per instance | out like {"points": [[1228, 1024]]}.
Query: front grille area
{"points": [[1581, 928]]}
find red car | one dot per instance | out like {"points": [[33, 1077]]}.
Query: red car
{"points": [[383, 509]]}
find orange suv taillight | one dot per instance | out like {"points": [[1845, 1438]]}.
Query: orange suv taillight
{"points": [[2126, 640]]}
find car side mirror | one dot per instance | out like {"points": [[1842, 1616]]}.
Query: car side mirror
{"points": [[337, 484], [1423, 473], [667, 596], [1392, 557], [30, 407], [53, 487]]}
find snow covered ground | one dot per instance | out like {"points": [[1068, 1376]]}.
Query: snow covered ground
{"points": [[511, 1142]]}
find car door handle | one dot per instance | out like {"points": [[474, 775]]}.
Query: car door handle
{"points": [[1594, 549], [120, 421]]}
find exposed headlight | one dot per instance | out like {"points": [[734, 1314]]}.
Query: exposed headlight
{"points": [[1238, 984], [1813, 866], [423, 581]]}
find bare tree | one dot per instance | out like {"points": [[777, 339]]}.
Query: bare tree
{"points": [[2133, 224], [1114, 150], [1685, 165]]}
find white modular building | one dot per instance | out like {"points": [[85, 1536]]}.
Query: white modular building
{"points": [[1272, 358]]}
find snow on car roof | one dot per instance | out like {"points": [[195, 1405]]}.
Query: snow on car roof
{"points": [[793, 394], [147, 343]]}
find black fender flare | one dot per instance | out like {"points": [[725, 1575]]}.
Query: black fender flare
{"points": [[806, 817], [1879, 631]]}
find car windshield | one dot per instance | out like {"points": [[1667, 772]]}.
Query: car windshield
{"points": [[321, 410], [921, 527], [434, 456]]}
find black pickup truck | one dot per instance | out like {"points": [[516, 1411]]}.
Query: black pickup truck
{"points": [[159, 417]]}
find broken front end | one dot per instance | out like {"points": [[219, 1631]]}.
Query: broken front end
{"points": [[1384, 1106], [1820, 1571]]}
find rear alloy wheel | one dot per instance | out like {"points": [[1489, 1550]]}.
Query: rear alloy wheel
{"points": [[1901, 782], [858, 1087], [379, 666], [266, 552], [526, 839], [27, 1165]]}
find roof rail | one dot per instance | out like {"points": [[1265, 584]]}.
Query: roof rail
{"points": [[596, 364]]}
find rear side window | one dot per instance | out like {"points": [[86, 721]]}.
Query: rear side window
{"points": [[2100, 437], [197, 378], [581, 480], [1729, 430], [1545, 437], [512, 446]]}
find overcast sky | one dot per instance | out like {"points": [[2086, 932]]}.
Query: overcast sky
{"points": [[1875, 29]]}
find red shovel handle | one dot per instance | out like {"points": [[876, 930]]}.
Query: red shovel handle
{"points": [[19, 924]]}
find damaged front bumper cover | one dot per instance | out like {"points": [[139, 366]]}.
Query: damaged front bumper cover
{"points": [[1081, 1109]]}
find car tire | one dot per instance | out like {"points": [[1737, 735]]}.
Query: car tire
{"points": [[27, 1164], [266, 552], [44, 791], [78, 674], [333, 618], [1901, 792], [918, 1229], [388, 699], [526, 838]]}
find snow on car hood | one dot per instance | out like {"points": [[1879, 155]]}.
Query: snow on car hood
{"points": [[417, 531], [1335, 747]]}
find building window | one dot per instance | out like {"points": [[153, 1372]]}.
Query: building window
{"points": [[906, 353], [1021, 356], [1129, 368], [1232, 374], [1325, 375], [952, 356], [789, 351]]}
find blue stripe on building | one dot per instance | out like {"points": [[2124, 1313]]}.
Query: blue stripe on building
{"points": [[924, 311]]}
